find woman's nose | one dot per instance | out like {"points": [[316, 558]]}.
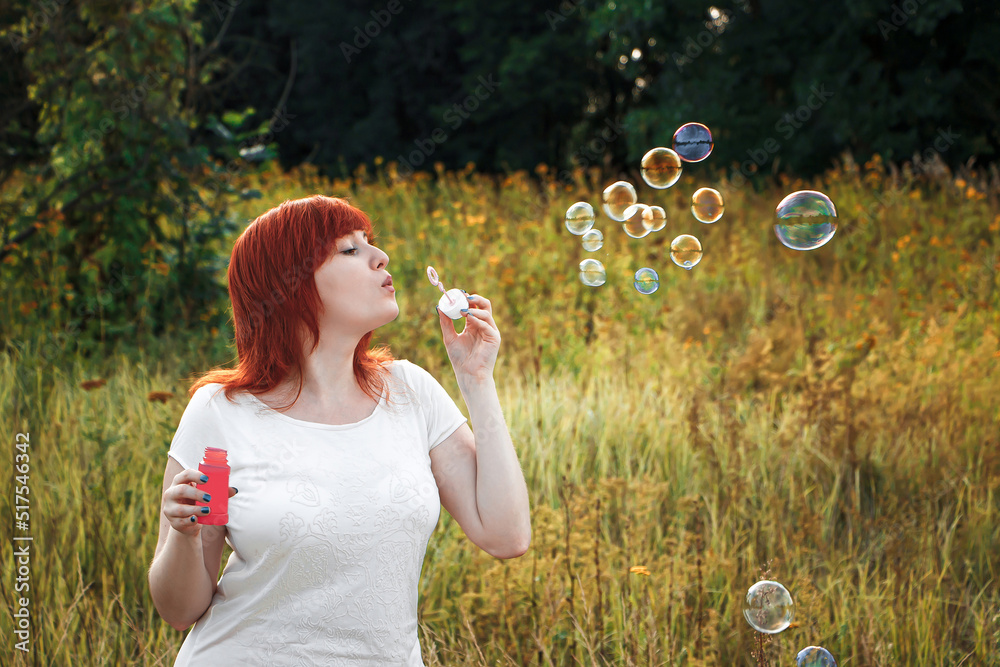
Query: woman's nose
{"points": [[382, 259]]}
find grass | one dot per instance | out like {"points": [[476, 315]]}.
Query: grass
{"points": [[829, 419]]}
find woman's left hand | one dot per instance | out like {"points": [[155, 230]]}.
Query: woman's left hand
{"points": [[473, 353]]}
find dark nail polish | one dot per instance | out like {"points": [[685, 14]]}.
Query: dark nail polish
{"points": [[204, 510], [193, 519], [204, 478], [206, 497], [235, 490]]}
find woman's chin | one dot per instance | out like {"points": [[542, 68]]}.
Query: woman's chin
{"points": [[394, 315]]}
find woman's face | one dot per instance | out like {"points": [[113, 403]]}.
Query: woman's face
{"points": [[355, 288]]}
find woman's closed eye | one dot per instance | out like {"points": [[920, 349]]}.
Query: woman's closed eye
{"points": [[349, 251]]}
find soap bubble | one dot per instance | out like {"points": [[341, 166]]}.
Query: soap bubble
{"points": [[706, 205], [646, 281], [593, 240], [617, 197], [654, 218], [806, 220], [815, 656], [634, 224], [685, 251], [592, 273], [693, 142], [769, 607], [661, 167], [579, 218]]}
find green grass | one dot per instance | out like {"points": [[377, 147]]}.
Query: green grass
{"points": [[827, 419]]}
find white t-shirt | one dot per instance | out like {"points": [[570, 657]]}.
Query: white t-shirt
{"points": [[328, 531]]}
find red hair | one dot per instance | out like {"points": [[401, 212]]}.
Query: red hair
{"points": [[274, 296]]}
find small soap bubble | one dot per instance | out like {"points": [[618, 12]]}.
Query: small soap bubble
{"points": [[769, 607], [634, 225], [654, 218], [706, 205], [685, 251], [593, 240], [693, 142], [805, 220], [815, 656], [579, 218], [592, 273], [646, 281], [661, 167], [617, 197]]}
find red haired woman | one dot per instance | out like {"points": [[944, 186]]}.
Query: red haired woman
{"points": [[342, 456]]}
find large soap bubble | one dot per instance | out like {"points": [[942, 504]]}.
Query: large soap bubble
{"points": [[593, 240], [646, 281], [579, 218], [654, 218], [635, 222], [706, 205], [815, 656], [617, 197], [693, 142], [592, 273], [685, 251], [661, 167], [805, 220], [768, 607]]}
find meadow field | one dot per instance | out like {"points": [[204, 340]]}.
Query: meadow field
{"points": [[827, 419]]}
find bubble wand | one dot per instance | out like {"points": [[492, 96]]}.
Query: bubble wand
{"points": [[453, 301]]}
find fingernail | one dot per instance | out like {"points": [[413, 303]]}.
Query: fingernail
{"points": [[235, 490], [470, 298], [193, 519], [464, 292], [204, 510], [206, 497], [204, 478], [465, 311]]}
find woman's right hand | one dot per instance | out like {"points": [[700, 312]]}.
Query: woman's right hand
{"points": [[178, 502]]}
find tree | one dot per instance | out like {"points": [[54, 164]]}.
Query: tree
{"points": [[116, 233]]}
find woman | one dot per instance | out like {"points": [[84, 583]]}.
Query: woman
{"points": [[342, 457]]}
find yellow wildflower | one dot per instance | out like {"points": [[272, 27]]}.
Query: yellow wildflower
{"points": [[639, 569]]}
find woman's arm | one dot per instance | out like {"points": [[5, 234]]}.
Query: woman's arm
{"points": [[478, 473], [179, 579]]}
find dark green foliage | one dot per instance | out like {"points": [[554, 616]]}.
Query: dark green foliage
{"points": [[123, 123], [806, 80], [107, 218]]}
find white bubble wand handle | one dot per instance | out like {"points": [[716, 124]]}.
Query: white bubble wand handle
{"points": [[452, 301], [432, 276]]}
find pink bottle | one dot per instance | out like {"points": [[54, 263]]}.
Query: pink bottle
{"points": [[217, 468]]}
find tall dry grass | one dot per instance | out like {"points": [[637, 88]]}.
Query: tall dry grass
{"points": [[828, 419]]}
